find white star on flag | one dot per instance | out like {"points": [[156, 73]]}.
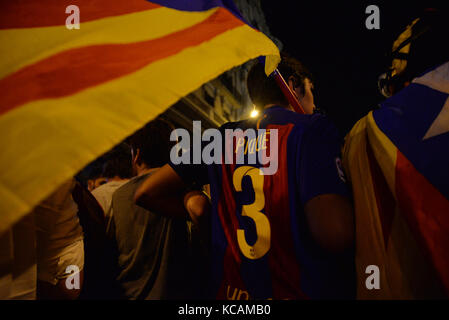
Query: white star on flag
{"points": [[437, 79], [441, 123]]}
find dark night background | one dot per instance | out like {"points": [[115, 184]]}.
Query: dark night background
{"points": [[346, 58]]}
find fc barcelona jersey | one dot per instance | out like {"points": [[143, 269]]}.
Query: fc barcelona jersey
{"points": [[261, 245]]}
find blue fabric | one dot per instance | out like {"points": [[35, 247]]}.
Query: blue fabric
{"points": [[405, 119], [201, 5]]}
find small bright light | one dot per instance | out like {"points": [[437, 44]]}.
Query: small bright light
{"points": [[254, 113]]}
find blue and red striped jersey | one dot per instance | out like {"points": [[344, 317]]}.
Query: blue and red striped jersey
{"points": [[261, 246]]}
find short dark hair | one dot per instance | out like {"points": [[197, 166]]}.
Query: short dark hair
{"points": [[263, 90], [153, 141], [92, 171], [118, 162], [95, 171]]}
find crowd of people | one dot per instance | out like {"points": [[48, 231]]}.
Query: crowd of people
{"points": [[137, 226]]}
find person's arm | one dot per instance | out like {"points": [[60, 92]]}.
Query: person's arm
{"points": [[331, 222], [198, 206], [163, 192], [166, 192], [324, 193]]}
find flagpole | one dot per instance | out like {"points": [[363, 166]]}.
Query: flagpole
{"points": [[289, 95], [287, 92]]}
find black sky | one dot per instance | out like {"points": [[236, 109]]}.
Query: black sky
{"points": [[346, 58]]}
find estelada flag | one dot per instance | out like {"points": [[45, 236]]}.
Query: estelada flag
{"points": [[397, 159], [67, 96]]}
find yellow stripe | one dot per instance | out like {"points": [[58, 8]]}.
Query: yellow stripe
{"points": [[400, 260], [384, 151], [369, 236], [21, 47], [46, 142], [399, 65], [271, 63]]}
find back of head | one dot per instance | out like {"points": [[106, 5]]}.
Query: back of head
{"points": [[90, 173], [264, 90], [95, 171], [118, 163], [421, 45], [153, 143]]}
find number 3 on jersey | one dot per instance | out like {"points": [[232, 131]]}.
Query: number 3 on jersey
{"points": [[253, 211]]}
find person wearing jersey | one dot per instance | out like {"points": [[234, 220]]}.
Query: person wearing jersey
{"points": [[284, 235]]}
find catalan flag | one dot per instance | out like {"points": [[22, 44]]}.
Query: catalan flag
{"points": [[397, 159], [67, 96]]}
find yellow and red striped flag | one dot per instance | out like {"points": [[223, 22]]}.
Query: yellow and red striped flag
{"points": [[397, 159], [67, 96]]}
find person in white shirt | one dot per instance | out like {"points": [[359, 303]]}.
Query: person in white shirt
{"points": [[117, 170]]}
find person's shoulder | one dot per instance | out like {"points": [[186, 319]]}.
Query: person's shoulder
{"points": [[99, 190], [118, 184], [128, 186], [104, 188], [321, 121], [287, 116], [307, 122], [318, 127], [281, 115]]}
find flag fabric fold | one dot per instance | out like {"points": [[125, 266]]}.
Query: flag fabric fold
{"points": [[397, 159], [68, 96]]}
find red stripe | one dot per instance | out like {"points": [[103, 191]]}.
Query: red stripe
{"points": [[74, 70], [385, 201], [227, 211], [427, 212], [46, 13], [282, 260], [232, 279]]}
